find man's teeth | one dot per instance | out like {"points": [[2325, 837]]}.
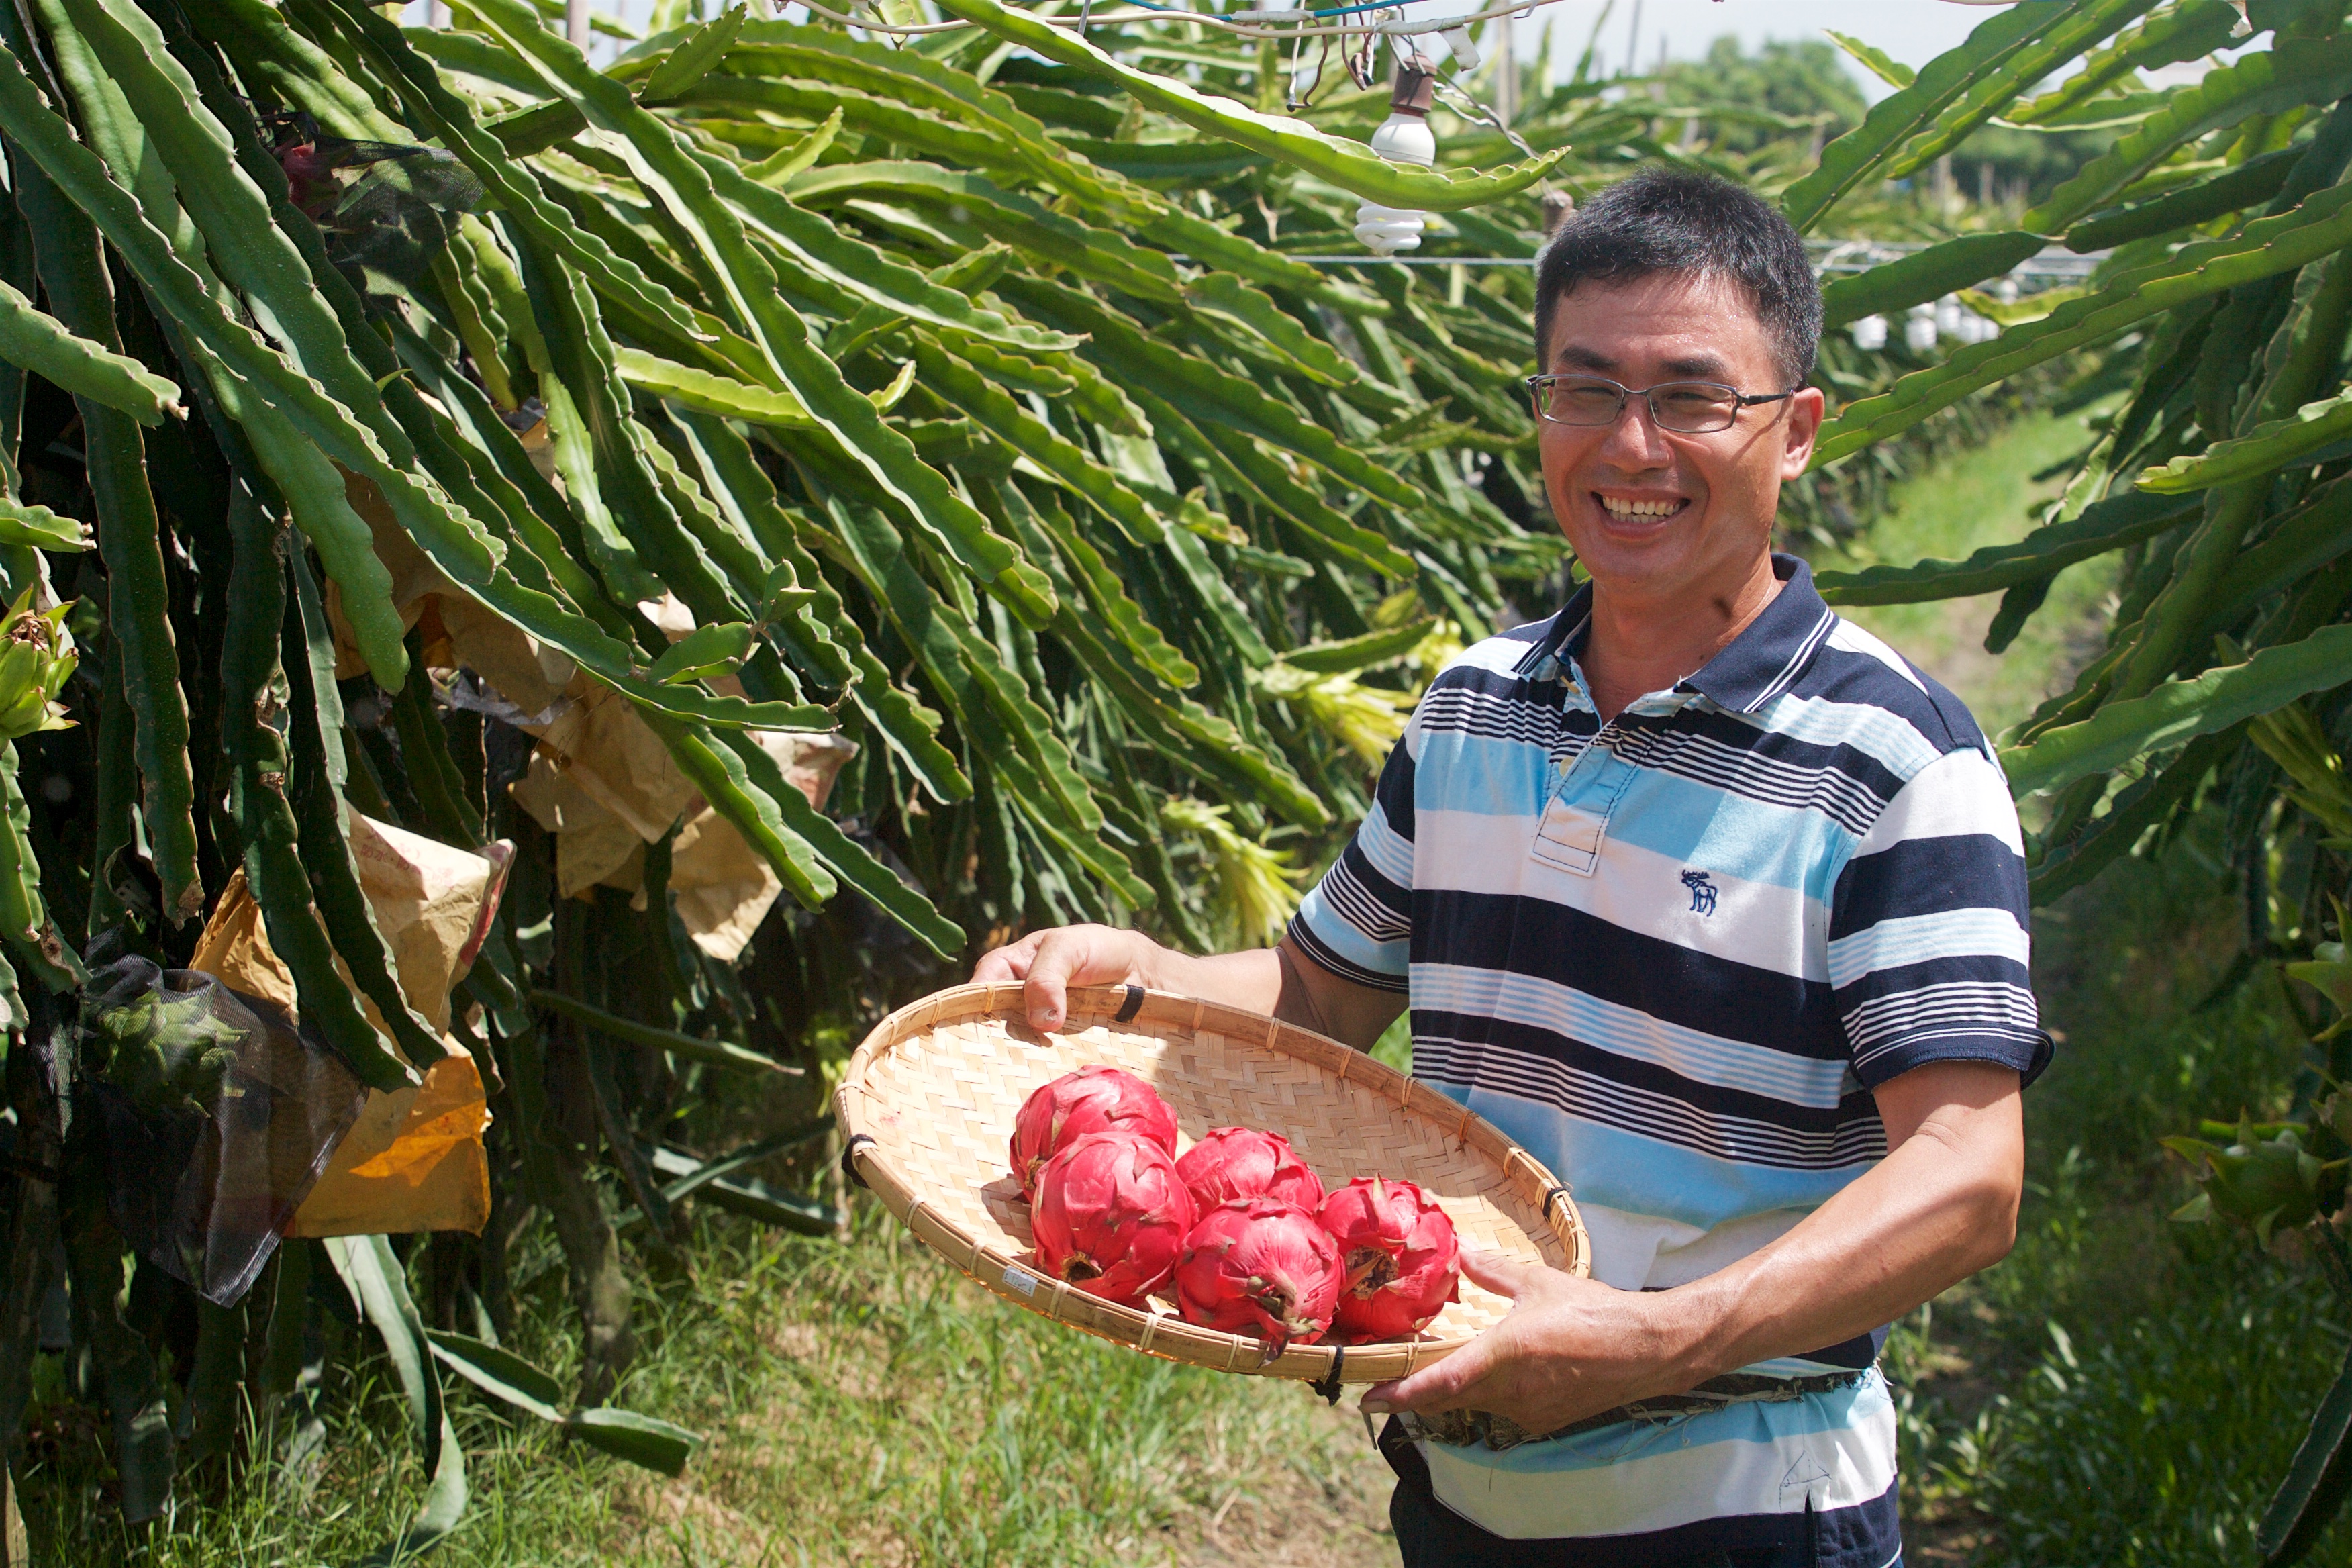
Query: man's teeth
{"points": [[1640, 508]]}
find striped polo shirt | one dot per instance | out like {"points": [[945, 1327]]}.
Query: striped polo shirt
{"points": [[1670, 955]]}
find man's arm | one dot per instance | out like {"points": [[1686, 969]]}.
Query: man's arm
{"points": [[1940, 1206], [1278, 980]]}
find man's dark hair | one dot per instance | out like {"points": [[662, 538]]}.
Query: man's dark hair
{"points": [[1679, 220]]}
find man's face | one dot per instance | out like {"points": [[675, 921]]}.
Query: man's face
{"points": [[1657, 512]]}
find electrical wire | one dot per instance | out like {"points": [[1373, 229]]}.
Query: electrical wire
{"points": [[1260, 24]]}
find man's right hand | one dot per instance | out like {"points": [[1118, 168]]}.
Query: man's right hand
{"points": [[1048, 962], [1278, 981]]}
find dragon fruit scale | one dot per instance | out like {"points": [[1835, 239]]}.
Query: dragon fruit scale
{"points": [[1243, 1163], [1096, 1098], [1404, 1263], [1111, 1215], [1260, 1265]]}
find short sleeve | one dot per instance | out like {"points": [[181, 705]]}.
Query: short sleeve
{"points": [[1929, 956], [1357, 921]]}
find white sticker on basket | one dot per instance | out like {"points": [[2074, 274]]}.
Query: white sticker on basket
{"points": [[1021, 1280]]}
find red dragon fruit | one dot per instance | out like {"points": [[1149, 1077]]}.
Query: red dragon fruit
{"points": [[1404, 1263], [1262, 1266], [1095, 1099], [1111, 1215], [1243, 1163]]}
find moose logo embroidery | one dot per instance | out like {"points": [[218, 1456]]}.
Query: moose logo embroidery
{"points": [[1702, 892]]}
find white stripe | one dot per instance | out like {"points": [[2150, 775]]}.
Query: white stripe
{"points": [[1959, 793], [1822, 630], [1498, 656], [1955, 1007], [1663, 1477], [1920, 939]]}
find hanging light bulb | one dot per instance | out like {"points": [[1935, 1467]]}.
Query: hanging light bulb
{"points": [[1405, 137], [1919, 328]]}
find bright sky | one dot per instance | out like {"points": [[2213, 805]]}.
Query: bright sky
{"points": [[1912, 31]]}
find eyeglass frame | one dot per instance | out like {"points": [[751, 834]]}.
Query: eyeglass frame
{"points": [[1626, 394]]}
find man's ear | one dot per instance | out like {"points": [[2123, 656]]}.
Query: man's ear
{"points": [[1807, 408]]}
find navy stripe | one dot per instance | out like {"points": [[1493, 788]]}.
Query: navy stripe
{"points": [[2028, 1057], [1837, 675], [1464, 1033], [1674, 984], [1857, 1140], [1313, 947], [1365, 899], [1394, 791], [1929, 877]]}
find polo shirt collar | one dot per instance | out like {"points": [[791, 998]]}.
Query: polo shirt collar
{"points": [[1760, 664]]}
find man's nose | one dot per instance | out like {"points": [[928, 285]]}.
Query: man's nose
{"points": [[1634, 441]]}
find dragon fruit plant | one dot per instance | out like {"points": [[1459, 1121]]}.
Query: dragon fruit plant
{"points": [[1244, 1163], [1096, 1098], [1111, 1215], [1260, 1265], [1403, 1262]]}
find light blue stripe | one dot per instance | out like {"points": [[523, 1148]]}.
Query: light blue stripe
{"points": [[1343, 939], [1628, 1032], [1916, 939], [1389, 851], [1644, 1176], [1485, 777], [1772, 1421], [1776, 846]]}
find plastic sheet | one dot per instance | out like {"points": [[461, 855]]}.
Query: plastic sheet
{"points": [[219, 1116]]}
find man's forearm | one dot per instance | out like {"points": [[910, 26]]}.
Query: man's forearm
{"points": [[1251, 981], [1283, 982], [1940, 1206]]}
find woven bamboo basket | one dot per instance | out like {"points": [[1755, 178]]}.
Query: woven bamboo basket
{"points": [[928, 1106]]}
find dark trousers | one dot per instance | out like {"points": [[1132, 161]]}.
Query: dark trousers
{"points": [[1431, 1535]]}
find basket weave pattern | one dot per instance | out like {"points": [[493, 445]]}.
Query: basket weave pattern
{"points": [[928, 1101]]}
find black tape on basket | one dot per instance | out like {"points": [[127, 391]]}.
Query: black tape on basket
{"points": [[218, 1115], [1329, 1386], [1130, 1007], [1551, 1197], [849, 1157]]}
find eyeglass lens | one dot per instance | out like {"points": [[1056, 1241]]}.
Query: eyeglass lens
{"points": [[1689, 406]]}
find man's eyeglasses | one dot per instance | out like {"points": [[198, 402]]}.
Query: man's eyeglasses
{"points": [[1687, 407]]}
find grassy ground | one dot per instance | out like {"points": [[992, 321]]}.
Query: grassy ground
{"points": [[1988, 497], [2121, 1391], [861, 1403]]}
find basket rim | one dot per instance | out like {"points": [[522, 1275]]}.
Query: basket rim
{"points": [[1162, 1333]]}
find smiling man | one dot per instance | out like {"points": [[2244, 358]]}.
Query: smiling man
{"points": [[1717, 905]]}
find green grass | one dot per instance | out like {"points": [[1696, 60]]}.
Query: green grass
{"points": [[863, 1404], [1984, 497]]}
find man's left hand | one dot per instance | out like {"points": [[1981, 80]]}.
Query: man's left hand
{"points": [[1567, 1349]]}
